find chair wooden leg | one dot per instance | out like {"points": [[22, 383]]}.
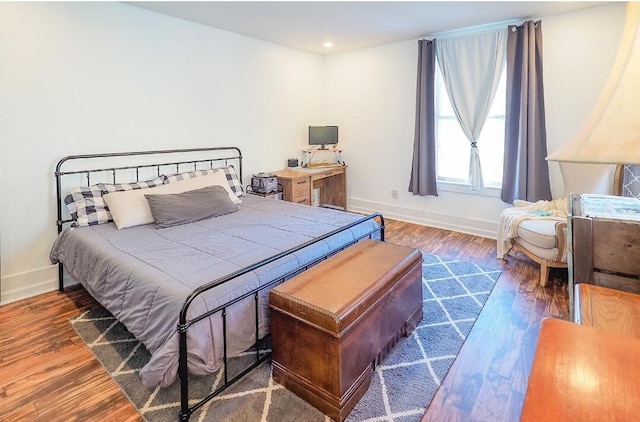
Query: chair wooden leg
{"points": [[544, 273], [544, 264]]}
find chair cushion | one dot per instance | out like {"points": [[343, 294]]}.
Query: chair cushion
{"points": [[540, 233]]}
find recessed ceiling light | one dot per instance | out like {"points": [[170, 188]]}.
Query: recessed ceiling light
{"points": [[328, 44]]}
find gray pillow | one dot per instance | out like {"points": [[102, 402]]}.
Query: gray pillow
{"points": [[179, 208]]}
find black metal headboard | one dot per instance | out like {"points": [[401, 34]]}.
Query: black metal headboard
{"points": [[159, 162]]}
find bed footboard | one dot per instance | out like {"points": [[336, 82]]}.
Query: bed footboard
{"points": [[261, 354]]}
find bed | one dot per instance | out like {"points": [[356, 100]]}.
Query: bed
{"points": [[196, 293]]}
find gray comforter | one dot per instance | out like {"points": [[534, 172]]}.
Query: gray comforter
{"points": [[142, 274]]}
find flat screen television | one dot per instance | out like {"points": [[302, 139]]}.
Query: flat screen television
{"points": [[323, 135]]}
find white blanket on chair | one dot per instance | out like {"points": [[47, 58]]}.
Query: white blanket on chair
{"points": [[511, 218]]}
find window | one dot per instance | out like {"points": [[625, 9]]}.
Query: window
{"points": [[452, 156]]}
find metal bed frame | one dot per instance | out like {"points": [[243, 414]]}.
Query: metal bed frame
{"points": [[220, 156]]}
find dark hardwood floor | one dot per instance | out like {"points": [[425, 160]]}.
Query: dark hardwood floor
{"points": [[48, 374]]}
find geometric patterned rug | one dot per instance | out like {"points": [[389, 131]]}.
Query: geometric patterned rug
{"points": [[402, 386]]}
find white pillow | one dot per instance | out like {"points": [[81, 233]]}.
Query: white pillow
{"points": [[130, 208]]}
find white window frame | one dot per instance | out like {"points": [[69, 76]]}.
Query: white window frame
{"points": [[461, 185]]}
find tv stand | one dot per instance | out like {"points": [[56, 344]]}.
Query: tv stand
{"points": [[323, 147], [310, 152]]}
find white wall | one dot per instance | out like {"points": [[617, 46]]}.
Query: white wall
{"points": [[97, 77], [371, 95]]}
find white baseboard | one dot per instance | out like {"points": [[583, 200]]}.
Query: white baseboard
{"points": [[473, 226], [30, 283]]}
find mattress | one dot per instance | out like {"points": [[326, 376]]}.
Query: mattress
{"points": [[142, 274]]}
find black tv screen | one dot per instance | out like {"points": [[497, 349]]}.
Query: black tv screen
{"points": [[323, 135]]}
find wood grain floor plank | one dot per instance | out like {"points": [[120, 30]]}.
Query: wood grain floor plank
{"points": [[480, 389], [23, 413]]}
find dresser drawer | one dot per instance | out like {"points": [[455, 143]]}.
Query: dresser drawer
{"points": [[296, 188], [327, 173], [304, 200], [301, 191]]}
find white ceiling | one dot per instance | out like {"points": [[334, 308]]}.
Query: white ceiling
{"points": [[306, 25]]}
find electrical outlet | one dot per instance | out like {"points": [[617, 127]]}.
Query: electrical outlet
{"points": [[394, 193]]}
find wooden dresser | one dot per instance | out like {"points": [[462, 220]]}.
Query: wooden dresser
{"points": [[604, 243], [298, 185]]}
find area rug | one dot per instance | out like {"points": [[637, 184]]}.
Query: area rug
{"points": [[402, 386]]}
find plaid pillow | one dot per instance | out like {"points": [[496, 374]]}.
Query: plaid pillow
{"points": [[117, 187], [234, 182], [187, 175], [229, 172], [86, 206]]}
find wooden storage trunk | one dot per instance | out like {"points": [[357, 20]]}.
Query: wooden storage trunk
{"points": [[333, 322]]}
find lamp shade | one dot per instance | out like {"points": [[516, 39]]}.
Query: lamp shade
{"points": [[611, 133]]}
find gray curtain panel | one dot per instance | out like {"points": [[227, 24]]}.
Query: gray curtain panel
{"points": [[526, 173], [423, 169]]}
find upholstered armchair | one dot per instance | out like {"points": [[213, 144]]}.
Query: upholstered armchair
{"points": [[538, 230]]}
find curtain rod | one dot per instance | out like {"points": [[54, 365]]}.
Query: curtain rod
{"points": [[475, 30]]}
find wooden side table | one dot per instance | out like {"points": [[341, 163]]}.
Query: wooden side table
{"points": [[604, 243], [582, 374]]}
